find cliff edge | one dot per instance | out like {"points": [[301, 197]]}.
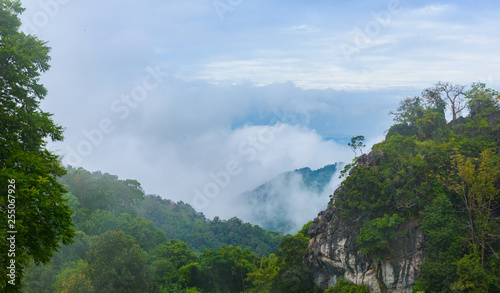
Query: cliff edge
{"points": [[333, 251]]}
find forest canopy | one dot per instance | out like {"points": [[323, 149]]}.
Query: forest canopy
{"points": [[35, 218], [442, 173]]}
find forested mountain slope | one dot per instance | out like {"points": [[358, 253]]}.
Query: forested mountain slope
{"points": [[180, 221], [117, 249], [278, 204], [423, 207]]}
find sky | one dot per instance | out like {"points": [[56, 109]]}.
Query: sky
{"points": [[200, 100]]}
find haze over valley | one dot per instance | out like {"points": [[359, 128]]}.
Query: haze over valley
{"points": [[229, 146], [169, 93]]}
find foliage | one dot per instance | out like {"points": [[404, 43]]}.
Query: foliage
{"points": [[482, 101], [347, 168], [142, 230], [305, 229], [115, 249], [293, 275], [472, 276], [474, 180], [416, 117], [43, 220], [444, 243], [73, 278], [316, 180], [116, 263], [444, 175], [221, 270], [103, 191], [344, 286], [40, 278], [180, 221], [454, 94], [165, 262], [378, 234], [357, 143], [262, 280], [285, 271]]}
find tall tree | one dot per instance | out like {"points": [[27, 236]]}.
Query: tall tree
{"points": [[474, 180], [455, 95], [482, 100], [444, 242], [409, 111], [31, 198], [357, 143], [116, 263], [285, 271]]}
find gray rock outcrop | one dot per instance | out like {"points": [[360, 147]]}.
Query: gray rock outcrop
{"points": [[334, 253]]}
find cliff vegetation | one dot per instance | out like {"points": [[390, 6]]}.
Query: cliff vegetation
{"points": [[422, 208]]}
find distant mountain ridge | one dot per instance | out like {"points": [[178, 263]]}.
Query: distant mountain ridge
{"points": [[282, 203], [314, 180], [317, 179]]}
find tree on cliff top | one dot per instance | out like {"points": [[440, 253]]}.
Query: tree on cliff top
{"points": [[28, 171], [455, 95], [424, 159]]}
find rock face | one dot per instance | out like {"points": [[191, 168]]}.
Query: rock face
{"points": [[334, 253], [367, 160]]}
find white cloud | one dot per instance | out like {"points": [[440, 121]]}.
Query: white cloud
{"points": [[228, 79], [186, 130], [433, 10]]}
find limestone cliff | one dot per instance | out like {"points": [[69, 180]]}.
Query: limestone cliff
{"points": [[334, 253]]}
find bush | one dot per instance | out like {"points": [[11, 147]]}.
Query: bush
{"points": [[344, 286]]}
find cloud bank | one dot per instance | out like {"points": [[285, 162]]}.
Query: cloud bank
{"points": [[171, 93], [204, 143]]}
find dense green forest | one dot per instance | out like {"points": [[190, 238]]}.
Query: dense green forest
{"points": [[35, 219], [444, 175], [180, 221], [98, 196], [117, 226], [127, 241]]}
